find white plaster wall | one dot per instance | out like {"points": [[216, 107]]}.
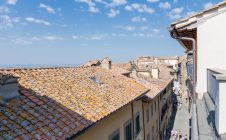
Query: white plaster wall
{"points": [[211, 41], [173, 62], [222, 107], [155, 73], [170, 62]]}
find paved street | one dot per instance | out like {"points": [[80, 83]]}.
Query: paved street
{"points": [[180, 121]]}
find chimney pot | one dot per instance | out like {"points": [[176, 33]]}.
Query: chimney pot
{"points": [[106, 63], [9, 87], [155, 73]]}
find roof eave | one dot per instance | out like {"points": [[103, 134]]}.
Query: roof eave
{"points": [[97, 122], [174, 34]]}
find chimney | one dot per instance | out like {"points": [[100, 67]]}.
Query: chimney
{"points": [[155, 73], [106, 63], [8, 87]]}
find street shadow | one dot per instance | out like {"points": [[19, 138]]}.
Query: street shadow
{"points": [[172, 117], [211, 121]]}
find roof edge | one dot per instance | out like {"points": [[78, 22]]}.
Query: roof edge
{"points": [[214, 7], [97, 122]]}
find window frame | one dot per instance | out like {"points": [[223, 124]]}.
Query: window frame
{"points": [[117, 131], [155, 106], [152, 109], [153, 131], [148, 136], [147, 115], [125, 125], [136, 115]]}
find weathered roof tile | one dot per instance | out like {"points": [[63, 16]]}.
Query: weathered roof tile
{"points": [[63, 101]]}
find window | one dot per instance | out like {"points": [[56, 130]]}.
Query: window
{"points": [[157, 126], [128, 130], [94, 79], [155, 106], [148, 137], [153, 137], [115, 135], [147, 115], [137, 121], [151, 110]]}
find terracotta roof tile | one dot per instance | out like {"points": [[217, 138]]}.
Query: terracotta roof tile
{"points": [[157, 85], [59, 102]]}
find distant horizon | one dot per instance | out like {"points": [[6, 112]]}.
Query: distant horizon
{"points": [[65, 64]]}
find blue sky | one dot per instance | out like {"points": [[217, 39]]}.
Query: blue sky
{"points": [[75, 31]]}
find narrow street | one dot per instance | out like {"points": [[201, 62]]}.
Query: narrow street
{"points": [[179, 124]]}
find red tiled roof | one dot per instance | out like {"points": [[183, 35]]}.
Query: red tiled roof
{"points": [[60, 102], [157, 85], [125, 66]]}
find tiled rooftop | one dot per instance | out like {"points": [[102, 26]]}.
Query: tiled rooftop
{"points": [[157, 85], [60, 102], [125, 66]]}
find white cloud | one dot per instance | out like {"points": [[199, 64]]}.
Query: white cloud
{"points": [[113, 13], [16, 19], [138, 19], [176, 13], [156, 31], [47, 8], [97, 37], [11, 2], [118, 2], [52, 38], [175, 1], [4, 10], [92, 5], [149, 35], [128, 28], [144, 27], [91, 37], [5, 22], [164, 5], [139, 35], [152, 1], [190, 13], [102, 2], [118, 34], [75, 37], [129, 8], [35, 38], [142, 8], [22, 41], [31, 40], [208, 5], [38, 21], [93, 9]]}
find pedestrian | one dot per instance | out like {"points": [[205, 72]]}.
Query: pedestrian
{"points": [[175, 135], [180, 93], [184, 137]]}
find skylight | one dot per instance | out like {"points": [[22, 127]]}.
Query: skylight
{"points": [[94, 79]]}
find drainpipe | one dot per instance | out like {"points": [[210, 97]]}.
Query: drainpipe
{"points": [[194, 133]]}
